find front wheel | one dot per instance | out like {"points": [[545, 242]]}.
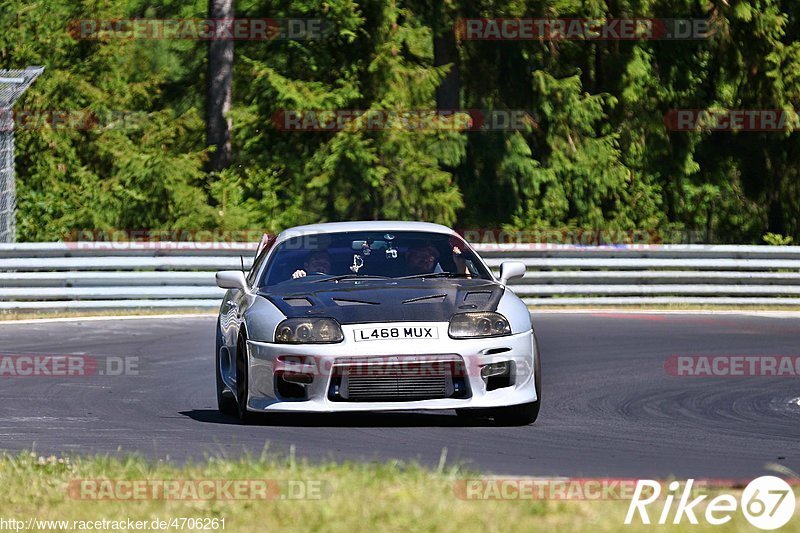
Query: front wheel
{"points": [[226, 403], [245, 416], [517, 415]]}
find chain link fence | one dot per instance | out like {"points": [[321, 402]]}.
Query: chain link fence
{"points": [[13, 83]]}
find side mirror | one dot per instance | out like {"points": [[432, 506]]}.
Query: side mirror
{"points": [[231, 279], [511, 270]]}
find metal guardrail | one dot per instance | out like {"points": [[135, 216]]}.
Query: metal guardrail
{"points": [[75, 276]]}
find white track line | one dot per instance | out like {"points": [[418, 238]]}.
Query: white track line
{"points": [[606, 311], [104, 318]]}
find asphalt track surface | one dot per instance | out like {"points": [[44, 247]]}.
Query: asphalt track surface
{"points": [[609, 406]]}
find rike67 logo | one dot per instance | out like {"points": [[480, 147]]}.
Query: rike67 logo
{"points": [[767, 502]]}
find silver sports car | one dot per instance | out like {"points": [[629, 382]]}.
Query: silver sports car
{"points": [[375, 316]]}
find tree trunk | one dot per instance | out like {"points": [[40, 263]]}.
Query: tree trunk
{"points": [[775, 220], [218, 90], [445, 51]]}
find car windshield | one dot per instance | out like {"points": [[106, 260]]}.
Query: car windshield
{"points": [[363, 254]]}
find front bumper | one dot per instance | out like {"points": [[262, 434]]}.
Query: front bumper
{"points": [[319, 361]]}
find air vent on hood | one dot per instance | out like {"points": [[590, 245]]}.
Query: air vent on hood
{"points": [[432, 299], [478, 297], [342, 302], [298, 302]]}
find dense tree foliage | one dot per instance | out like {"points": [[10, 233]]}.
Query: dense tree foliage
{"points": [[597, 153]]}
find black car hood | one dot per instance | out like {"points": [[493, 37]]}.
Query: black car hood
{"points": [[389, 300]]}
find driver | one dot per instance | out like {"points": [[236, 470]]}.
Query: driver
{"points": [[422, 259], [425, 260], [316, 262]]}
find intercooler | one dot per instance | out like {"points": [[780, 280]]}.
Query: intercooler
{"points": [[397, 379]]}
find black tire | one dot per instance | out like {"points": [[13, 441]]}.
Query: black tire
{"points": [[226, 402], [517, 415], [245, 416], [473, 414]]}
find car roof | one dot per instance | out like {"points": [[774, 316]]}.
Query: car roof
{"points": [[364, 225]]}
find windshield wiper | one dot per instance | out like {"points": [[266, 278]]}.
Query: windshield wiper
{"points": [[349, 276], [438, 275]]}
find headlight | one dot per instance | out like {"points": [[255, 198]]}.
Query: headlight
{"points": [[308, 331], [472, 325]]}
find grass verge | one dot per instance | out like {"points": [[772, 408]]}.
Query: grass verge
{"points": [[390, 496]]}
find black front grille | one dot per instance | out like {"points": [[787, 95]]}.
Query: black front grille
{"points": [[397, 380], [398, 383]]}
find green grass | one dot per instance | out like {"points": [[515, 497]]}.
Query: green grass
{"points": [[391, 496]]}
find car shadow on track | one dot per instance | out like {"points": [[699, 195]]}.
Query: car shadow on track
{"points": [[366, 420]]}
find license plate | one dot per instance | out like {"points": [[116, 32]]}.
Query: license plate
{"points": [[398, 333]]}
